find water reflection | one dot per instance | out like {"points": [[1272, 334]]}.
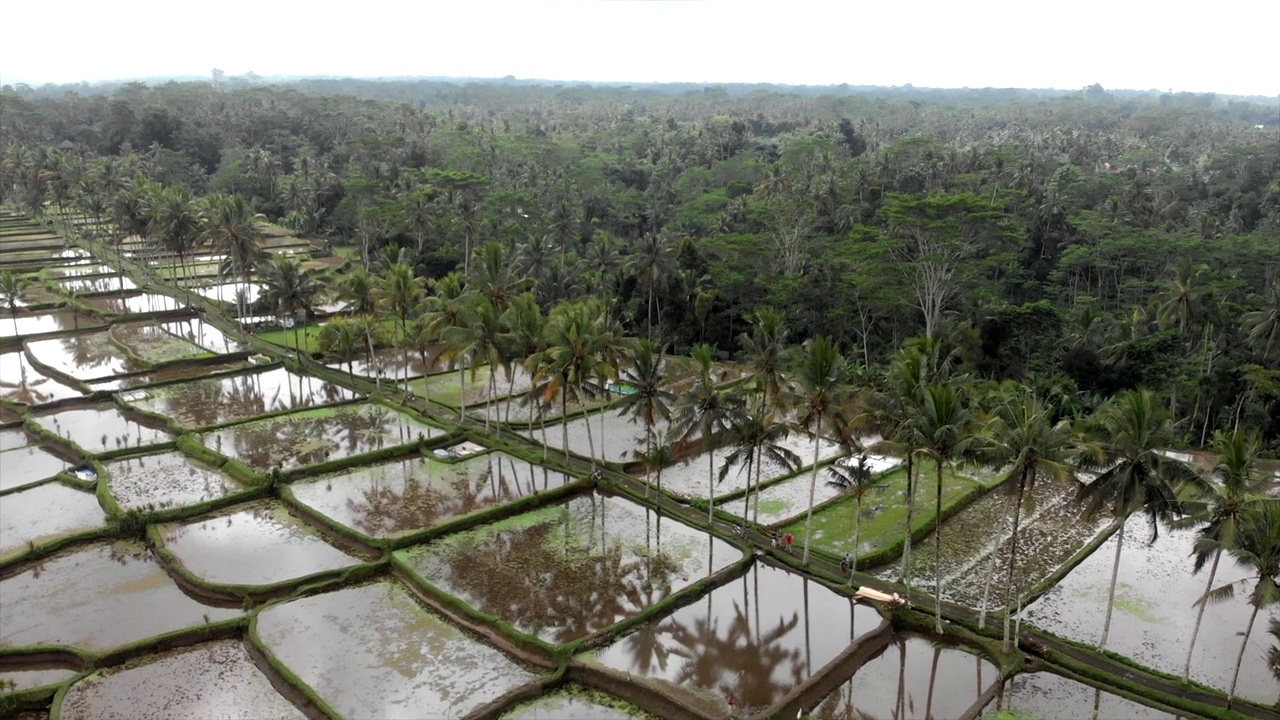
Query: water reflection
{"points": [[22, 383], [225, 399]]}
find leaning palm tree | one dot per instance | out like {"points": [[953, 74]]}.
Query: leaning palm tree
{"points": [[946, 425], [1134, 474], [821, 391], [1258, 550], [399, 291], [1223, 506], [13, 289], [756, 435], [649, 400], [524, 321], [702, 412], [1023, 437], [292, 291]]}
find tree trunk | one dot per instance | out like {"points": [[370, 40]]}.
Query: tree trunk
{"points": [[1186, 670], [857, 535], [1111, 594], [591, 444], [462, 396], [986, 584], [711, 479], [937, 554], [1013, 552], [813, 492], [911, 508], [1244, 644]]}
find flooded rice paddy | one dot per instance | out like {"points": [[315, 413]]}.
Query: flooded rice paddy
{"points": [[693, 479], [400, 496], [21, 382], [315, 436], [212, 680], [85, 357], [97, 597], [28, 464], [101, 428], [135, 304], [571, 569], [165, 480], [621, 437], [374, 651], [232, 398], [784, 501], [1154, 613], [748, 643], [24, 679], [451, 387], [577, 703], [913, 677], [1046, 696], [229, 293], [23, 324], [391, 364], [151, 343], [37, 515], [204, 335], [96, 285], [168, 374], [257, 544]]}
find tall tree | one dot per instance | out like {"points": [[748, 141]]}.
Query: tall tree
{"points": [[649, 400], [400, 291], [292, 291], [756, 435], [701, 413], [821, 391]]}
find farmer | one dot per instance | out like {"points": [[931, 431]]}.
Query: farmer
{"points": [[789, 540], [846, 562]]}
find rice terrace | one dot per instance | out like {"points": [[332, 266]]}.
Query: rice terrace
{"points": [[399, 412]]}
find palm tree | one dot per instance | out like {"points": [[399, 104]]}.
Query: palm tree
{"points": [[230, 229], [661, 453], [1263, 326], [341, 337], [821, 392], [1258, 550], [649, 401], [1023, 437], [13, 288], [1180, 301], [652, 265], [853, 479], [175, 218], [945, 424], [703, 411], [1223, 507], [572, 356], [356, 289], [1134, 474], [756, 435], [1273, 652], [478, 337], [766, 352], [524, 322], [292, 291], [399, 291]]}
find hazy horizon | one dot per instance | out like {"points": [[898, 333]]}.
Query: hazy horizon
{"points": [[994, 43]]}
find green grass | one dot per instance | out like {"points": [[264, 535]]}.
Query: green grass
{"points": [[884, 511], [309, 337]]}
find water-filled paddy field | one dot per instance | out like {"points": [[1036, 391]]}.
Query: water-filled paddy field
{"points": [[21, 382], [400, 496], [233, 398], [101, 428], [165, 480], [692, 478]]}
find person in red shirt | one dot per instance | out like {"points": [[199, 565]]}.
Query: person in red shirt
{"points": [[789, 540]]}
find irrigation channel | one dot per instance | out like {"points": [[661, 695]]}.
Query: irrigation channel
{"points": [[199, 524]]}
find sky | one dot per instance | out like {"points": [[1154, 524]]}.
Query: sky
{"points": [[1227, 46]]}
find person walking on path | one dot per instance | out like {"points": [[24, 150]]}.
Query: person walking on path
{"points": [[789, 540]]}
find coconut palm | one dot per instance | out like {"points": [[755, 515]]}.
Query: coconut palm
{"points": [[399, 291], [1273, 652], [660, 454], [703, 411], [1263, 326], [292, 291], [478, 337], [652, 265], [229, 228], [757, 434], [572, 356], [854, 479], [1258, 550], [765, 349], [1222, 507], [13, 289], [341, 336], [946, 425], [1023, 437], [524, 322], [176, 220], [1134, 474], [821, 391], [649, 400]]}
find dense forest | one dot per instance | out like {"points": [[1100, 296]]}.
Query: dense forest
{"points": [[1085, 244]]}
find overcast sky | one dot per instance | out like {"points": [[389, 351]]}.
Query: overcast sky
{"points": [[1226, 46]]}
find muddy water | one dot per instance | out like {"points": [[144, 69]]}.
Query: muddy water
{"points": [[390, 364], [315, 436], [403, 495], [577, 703], [165, 481], [693, 479], [168, 374], [258, 544], [1050, 531], [27, 465], [22, 324], [621, 437], [97, 597], [13, 438], [1154, 616], [88, 356], [449, 387], [101, 428], [231, 398], [373, 651], [212, 680], [229, 292], [43, 513], [205, 335], [135, 304], [1046, 696], [22, 383], [97, 285], [26, 679], [152, 344], [515, 409], [750, 641], [912, 677], [783, 502], [568, 570]]}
